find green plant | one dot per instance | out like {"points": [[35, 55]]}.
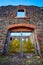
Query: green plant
{"points": [[27, 46], [5, 59], [14, 46]]}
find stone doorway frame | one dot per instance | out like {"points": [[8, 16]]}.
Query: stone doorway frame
{"points": [[22, 28]]}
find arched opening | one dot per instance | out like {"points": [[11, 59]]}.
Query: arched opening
{"points": [[21, 34]]}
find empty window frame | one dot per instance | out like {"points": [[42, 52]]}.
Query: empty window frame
{"points": [[21, 13]]}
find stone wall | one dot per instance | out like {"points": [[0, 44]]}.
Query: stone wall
{"points": [[8, 16]]}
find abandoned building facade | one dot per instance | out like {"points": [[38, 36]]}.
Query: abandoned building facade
{"points": [[33, 16]]}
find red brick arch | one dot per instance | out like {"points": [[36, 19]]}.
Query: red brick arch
{"points": [[21, 27]]}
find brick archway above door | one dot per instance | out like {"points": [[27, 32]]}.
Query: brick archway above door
{"points": [[21, 27]]}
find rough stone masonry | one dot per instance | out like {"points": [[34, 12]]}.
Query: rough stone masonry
{"points": [[33, 15]]}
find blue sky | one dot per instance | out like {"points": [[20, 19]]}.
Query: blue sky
{"points": [[21, 2], [19, 34], [20, 14]]}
